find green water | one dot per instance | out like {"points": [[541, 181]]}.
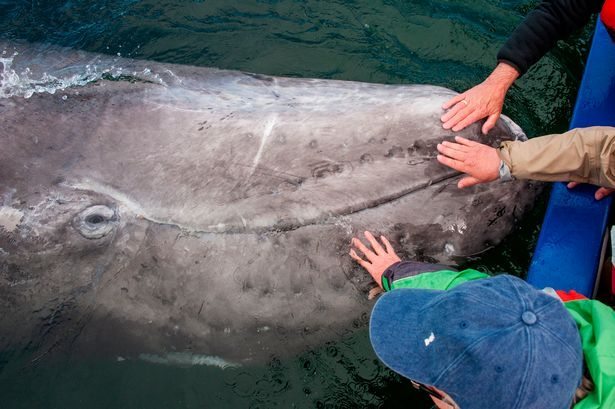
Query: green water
{"points": [[450, 43]]}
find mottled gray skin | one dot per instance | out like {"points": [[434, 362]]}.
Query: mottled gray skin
{"points": [[214, 214]]}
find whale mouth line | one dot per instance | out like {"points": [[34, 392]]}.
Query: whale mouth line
{"points": [[283, 226]]}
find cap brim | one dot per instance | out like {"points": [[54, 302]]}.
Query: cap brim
{"points": [[397, 332]]}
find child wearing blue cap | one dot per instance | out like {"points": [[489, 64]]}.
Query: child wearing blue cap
{"points": [[475, 342]]}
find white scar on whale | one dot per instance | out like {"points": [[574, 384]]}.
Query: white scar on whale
{"points": [[269, 124]]}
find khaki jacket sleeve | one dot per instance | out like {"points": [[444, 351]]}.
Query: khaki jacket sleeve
{"points": [[584, 155]]}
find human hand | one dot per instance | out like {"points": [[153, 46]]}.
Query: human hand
{"points": [[482, 101], [480, 162], [600, 194], [378, 260]]}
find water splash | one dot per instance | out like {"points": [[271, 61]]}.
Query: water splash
{"points": [[26, 83]]}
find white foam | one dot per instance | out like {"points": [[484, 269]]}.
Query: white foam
{"points": [[25, 83]]}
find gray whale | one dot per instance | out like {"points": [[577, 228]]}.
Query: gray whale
{"points": [[157, 208]]}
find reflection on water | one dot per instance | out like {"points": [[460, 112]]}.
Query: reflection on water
{"points": [[343, 374], [449, 43]]}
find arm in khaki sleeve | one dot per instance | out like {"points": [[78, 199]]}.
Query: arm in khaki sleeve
{"points": [[585, 155]]}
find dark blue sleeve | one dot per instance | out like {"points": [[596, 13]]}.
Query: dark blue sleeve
{"points": [[403, 269]]}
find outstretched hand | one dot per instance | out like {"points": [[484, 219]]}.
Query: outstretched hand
{"points": [[600, 194], [379, 258], [485, 100], [481, 163]]}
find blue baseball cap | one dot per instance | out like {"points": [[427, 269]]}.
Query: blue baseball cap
{"points": [[496, 342]]}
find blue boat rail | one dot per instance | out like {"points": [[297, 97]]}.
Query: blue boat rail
{"points": [[571, 245]]}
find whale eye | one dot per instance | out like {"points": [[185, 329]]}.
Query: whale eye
{"points": [[95, 219], [95, 222]]}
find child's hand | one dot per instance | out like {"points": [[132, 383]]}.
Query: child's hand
{"points": [[378, 260]]}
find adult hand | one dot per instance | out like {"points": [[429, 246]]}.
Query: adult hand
{"points": [[483, 101], [600, 194], [480, 162], [378, 258]]}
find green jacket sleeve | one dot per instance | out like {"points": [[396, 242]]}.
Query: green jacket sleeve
{"points": [[596, 323], [438, 280]]}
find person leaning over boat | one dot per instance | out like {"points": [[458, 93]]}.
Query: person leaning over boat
{"points": [[552, 20], [473, 342], [584, 155]]}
